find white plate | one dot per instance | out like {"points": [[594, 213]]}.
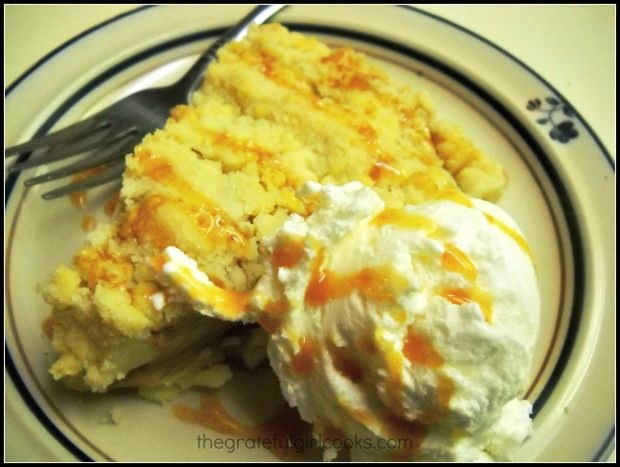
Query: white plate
{"points": [[560, 192]]}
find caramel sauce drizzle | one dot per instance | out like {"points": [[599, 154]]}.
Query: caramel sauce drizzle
{"points": [[288, 254], [379, 284], [389, 425], [103, 267], [345, 363], [230, 303], [144, 224], [454, 195], [516, 236], [404, 220], [472, 294], [419, 349], [454, 260], [88, 223], [78, 198], [273, 314], [48, 327], [395, 366], [302, 362], [269, 323], [110, 205], [287, 427], [382, 169]]}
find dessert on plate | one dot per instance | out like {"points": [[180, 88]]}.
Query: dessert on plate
{"points": [[391, 323], [211, 205]]}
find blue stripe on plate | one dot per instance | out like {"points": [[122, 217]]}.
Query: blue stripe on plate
{"points": [[608, 446], [38, 412], [68, 43]]}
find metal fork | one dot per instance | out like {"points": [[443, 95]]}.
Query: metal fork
{"points": [[111, 133]]}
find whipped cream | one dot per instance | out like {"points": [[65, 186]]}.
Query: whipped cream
{"points": [[415, 324]]}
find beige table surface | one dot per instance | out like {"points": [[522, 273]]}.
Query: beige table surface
{"points": [[572, 47]]}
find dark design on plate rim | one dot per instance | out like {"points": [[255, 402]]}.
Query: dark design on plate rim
{"points": [[562, 131]]}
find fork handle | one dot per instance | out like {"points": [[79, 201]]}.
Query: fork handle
{"points": [[193, 78]]}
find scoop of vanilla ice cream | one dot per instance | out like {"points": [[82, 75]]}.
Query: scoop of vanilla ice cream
{"points": [[415, 324], [402, 334]]}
